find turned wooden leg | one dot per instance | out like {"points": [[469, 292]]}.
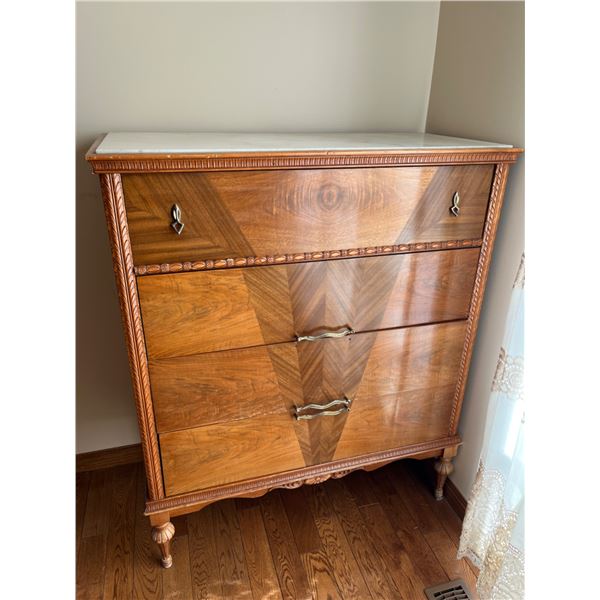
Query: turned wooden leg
{"points": [[162, 535], [443, 468]]}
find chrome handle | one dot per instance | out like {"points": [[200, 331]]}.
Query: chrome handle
{"points": [[455, 208], [328, 334], [345, 402], [177, 225]]}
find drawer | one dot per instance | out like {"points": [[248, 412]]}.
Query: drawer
{"points": [[267, 213], [191, 313], [400, 384]]}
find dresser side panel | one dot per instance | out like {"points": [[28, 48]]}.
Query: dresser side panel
{"points": [[489, 236], [114, 206]]}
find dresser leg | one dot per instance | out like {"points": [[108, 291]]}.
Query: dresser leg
{"points": [[162, 535], [443, 468]]}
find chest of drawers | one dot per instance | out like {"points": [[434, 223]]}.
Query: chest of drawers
{"points": [[295, 307]]}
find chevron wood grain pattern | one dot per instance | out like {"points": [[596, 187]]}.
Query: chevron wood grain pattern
{"points": [[400, 382], [220, 387], [277, 564], [237, 308], [262, 213]]}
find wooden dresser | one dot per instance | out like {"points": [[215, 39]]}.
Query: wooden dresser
{"points": [[295, 306]]}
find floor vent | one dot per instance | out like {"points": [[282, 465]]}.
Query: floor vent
{"points": [[452, 590]]}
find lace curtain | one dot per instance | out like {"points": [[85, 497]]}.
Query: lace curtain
{"points": [[493, 534]]}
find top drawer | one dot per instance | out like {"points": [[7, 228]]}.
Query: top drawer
{"points": [[266, 213]]}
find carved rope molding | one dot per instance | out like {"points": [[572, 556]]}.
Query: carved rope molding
{"points": [[150, 163], [296, 478], [224, 263], [114, 207], [489, 233]]}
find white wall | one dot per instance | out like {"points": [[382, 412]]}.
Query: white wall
{"points": [[477, 91], [222, 67]]}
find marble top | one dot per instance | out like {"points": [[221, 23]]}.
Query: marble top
{"points": [[216, 143]]}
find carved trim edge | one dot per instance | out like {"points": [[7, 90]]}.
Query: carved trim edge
{"points": [[314, 480], [313, 474], [250, 161], [114, 207], [489, 235], [250, 261]]}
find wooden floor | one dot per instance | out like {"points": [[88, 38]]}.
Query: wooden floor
{"points": [[368, 535]]}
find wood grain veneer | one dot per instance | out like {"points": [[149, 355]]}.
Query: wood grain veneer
{"points": [[250, 307], [400, 382], [229, 215], [279, 244]]}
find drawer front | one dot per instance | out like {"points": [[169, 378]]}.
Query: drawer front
{"points": [[191, 313], [266, 213], [400, 383]]}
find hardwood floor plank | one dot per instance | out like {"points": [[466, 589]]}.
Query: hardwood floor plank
{"points": [[446, 516], [357, 484], [395, 555], [90, 568], [450, 521], [91, 556], [82, 485], [293, 581], [177, 580], [206, 582], [319, 571], [335, 547], [367, 554], [230, 551], [426, 565], [417, 503], [261, 570], [398, 541], [118, 575], [96, 510], [301, 521], [147, 572]]}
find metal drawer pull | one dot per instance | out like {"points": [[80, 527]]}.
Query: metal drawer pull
{"points": [[455, 208], [328, 334], [345, 402], [177, 225]]}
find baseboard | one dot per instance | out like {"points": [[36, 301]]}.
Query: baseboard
{"points": [[455, 499], [111, 457]]}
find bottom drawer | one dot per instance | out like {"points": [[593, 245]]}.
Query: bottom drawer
{"points": [[401, 395]]}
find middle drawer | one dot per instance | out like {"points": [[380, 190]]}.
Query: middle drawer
{"points": [[193, 313]]}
